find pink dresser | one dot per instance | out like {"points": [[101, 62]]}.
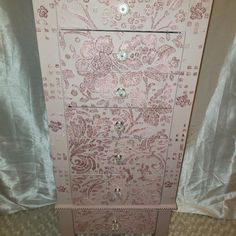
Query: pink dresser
{"points": [[119, 81]]}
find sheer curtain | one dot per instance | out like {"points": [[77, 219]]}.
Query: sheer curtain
{"points": [[26, 176], [208, 178]]}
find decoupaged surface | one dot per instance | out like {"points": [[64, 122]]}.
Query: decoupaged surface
{"points": [[83, 68]]}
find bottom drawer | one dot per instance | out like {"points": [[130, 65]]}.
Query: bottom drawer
{"points": [[114, 221]]}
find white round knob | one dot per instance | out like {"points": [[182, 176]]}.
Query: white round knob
{"points": [[118, 158], [122, 56], [119, 125], [123, 8], [120, 92]]}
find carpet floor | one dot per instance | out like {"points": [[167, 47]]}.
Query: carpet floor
{"points": [[44, 222]]}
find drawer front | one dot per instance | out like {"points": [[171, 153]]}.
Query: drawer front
{"points": [[140, 15], [122, 157], [114, 221], [142, 188], [99, 123], [113, 69]]}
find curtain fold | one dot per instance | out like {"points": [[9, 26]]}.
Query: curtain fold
{"points": [[208, 178], [26, 176]]}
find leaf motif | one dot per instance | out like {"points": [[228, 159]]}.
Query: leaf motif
{"points": [[165, 51], [134, 64], [104, 44], [177, 4], [72, 48]]}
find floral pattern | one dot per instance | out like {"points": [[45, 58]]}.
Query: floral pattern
{"points": [[93, 74], [197, 11], [142, 15], [183, 101], [43, 12], [61, 189], [99, 123], [100, 190], [55, 125], [100, 222], [90, 156]]}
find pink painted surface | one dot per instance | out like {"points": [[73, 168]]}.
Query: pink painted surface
{"points": [[99, 156], [119, 221], [102, 122], [92, 72], [81, 74], [101, 190], [141, 15]]}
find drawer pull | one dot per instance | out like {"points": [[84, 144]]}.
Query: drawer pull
{"points": [[118, 158], [119, 126], [118, 191], [122, 55], [123, 8], [120, 92], [115, 225]]}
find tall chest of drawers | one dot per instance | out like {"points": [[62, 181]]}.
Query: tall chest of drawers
{"points": [[119, 80]]}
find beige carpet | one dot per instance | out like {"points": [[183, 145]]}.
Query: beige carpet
{"points": [[43, 222]]}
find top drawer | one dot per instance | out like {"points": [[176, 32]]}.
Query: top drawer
{"points": [[139, 15]]}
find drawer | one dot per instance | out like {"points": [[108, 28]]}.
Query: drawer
{"points": [[114, 221], [124, 157], [140, 15], [142, 188], [113, 69], [99, 123]]}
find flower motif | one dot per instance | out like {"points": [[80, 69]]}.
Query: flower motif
{"points": [[141, 50], [158, 5], [180, 16], [106, 2], [61, 189], [82, 164], [183, 100], [149, 10], [111, 16], [67, 74], [96, 59], [43, 12], [197, 11], [151, 116], [174, 63], [55, 125], [130, 79], [136, 21], [131, 3]]}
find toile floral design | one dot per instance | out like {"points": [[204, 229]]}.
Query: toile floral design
{"points": [[43, 12], [142, 14], [174, 63], [91, 156], [183, 101], [96, 57], [145, 221], [98, 123], [197, 11], [151, 116], [144, 74], [55, 125], [61, 188], [180, 16]]}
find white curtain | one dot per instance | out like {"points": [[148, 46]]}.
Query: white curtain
{"points": [[208, 178], [26, 176]]}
